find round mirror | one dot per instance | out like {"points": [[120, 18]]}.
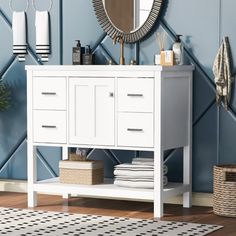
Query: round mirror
{"points": [[131, 19], [128, 15]]}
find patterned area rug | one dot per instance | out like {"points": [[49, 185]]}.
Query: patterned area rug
{"points": [[28, 222]]}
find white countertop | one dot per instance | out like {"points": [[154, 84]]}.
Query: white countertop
{"points": [[108, 67]]}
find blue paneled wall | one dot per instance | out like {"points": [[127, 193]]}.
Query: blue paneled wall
{"points": [[214, 130]]}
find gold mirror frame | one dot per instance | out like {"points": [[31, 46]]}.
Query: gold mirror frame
{"points": [[133, 36]]}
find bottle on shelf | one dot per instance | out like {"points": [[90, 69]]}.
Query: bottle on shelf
{"points": [[77, 54], [87, 56], [178, 50]]}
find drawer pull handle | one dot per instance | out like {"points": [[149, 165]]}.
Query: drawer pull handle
{"points": [[49, 126], [48, 93], [136, 130], [135, 95]]}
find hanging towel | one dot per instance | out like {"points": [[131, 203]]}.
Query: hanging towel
{"points": [[19, 34], [223, 73], [42, 34]]}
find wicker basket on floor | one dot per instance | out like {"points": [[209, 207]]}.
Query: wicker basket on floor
{"points": [[224, 197]]}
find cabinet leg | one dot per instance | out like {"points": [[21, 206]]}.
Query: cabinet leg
{"points": [[158, 209], [187, 176], [32, 198], [32, 174], [158, 184], [65, 196], [65, 154]]}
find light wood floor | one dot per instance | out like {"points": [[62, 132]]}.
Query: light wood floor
{"points": [[122, 208]]}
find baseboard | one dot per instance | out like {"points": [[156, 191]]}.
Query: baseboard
{"points": [[198, 199], [20, 186]]}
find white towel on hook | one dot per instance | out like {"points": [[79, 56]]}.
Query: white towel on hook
{"points": [[19, 34], [42, 34]]}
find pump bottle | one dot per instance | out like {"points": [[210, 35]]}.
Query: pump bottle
{"points": [[178, 51], [77, 54]]}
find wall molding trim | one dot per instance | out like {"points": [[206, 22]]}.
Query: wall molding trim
{"points": [[20, 186]]}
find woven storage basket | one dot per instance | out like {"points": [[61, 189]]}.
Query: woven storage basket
{"points": [[91, 174], [224, 197], [75, 157]]}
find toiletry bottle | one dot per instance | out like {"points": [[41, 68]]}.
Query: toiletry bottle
{"points": [[88, 56], [178, 51], [77, 55]]}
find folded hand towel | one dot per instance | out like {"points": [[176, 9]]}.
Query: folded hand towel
{"points": [[143, 160], [130, 184], [223, 73], [138, 168], [138, 184], [134, 178], [42, 34], [133, 167], [134, 173], [137, 162], [19, 34]]}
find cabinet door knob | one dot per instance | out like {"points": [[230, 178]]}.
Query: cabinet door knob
{"points": [[111, 94]]}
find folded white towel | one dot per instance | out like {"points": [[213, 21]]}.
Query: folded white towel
{"points": [[134, 162], [42, 34], [134, 178], [131, 184], [129, 168], [133, 167], [138, 184], [132, 173], [19, 34], [143, 160]]}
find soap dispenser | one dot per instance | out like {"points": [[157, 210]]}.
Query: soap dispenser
{"points": [[77, 54], [178, 50], [88, 56]]}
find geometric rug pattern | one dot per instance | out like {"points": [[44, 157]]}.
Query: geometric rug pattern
{"points": [[25, 222]]}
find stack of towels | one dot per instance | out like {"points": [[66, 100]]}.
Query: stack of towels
{"points": [[138, 174]]}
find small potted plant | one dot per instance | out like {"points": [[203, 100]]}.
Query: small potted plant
{"points": [[4, 96]]}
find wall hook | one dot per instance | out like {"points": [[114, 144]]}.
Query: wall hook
{"points": [[35, 8], [11, 5]]}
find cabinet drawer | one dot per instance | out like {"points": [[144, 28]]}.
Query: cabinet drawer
{"points": [[49, 93], [135, 129], [49, 126], [135, 95]]}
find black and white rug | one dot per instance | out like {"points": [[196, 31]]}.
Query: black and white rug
{"points": [[28, 222]]}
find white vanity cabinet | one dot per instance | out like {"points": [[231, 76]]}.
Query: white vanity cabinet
{"points": [[143, 108]]}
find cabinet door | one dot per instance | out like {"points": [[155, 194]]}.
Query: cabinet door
{"points": [[91, 111]]}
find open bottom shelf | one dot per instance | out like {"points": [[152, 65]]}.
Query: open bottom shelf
{"points": [[107, 190]]}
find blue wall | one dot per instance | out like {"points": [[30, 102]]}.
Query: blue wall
{"points": [[214, 129]]}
